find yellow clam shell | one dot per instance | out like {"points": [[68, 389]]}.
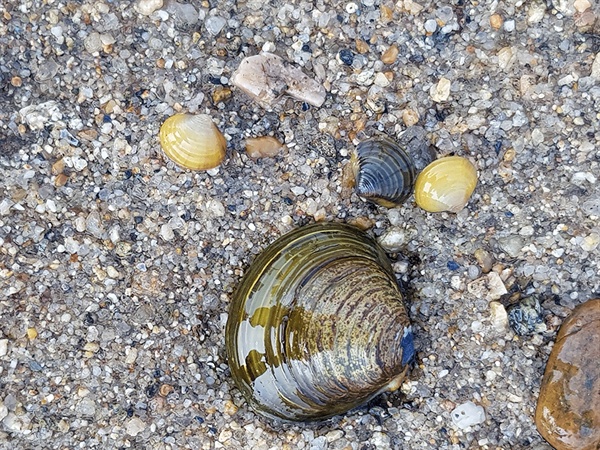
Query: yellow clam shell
{"points": [[446, 184], [192, 141]]}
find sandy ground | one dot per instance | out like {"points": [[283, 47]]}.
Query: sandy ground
{"points": [[117, 267]]}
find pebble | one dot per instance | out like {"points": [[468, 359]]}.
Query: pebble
{"points": [[263, 147], [346, 56], [147, 7], [525, 316], [496, 21], [230, 408], [166, 232], [13, 423], [3, 411], [440, 92], [93, 224], [590, 242], [185, 13], [31, 333], [334, 435], [79, 163], [568, 408], [511, 245], [430, 26], [410, 117], [498, 316], [595, 73], [484, 259], [467, 414], [381, 80], [582, 5], [93, 43], [86, 407], [566, 7], [3, 347], [134, 426], [536, 12], [215, 24], [490, 287], [263, 77], [392, 240], [390, 55]]}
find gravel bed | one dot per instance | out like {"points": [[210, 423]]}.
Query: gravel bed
{"points": [[117, 267]]}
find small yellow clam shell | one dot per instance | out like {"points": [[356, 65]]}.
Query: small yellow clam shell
{"points": [[446, 184], [192, 141]]}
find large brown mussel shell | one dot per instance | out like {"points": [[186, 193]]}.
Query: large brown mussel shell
{"points": [[385, 170], [317, 325]]}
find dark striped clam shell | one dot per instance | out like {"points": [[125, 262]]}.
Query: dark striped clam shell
{"points": [[317, 325], [385, 171]]}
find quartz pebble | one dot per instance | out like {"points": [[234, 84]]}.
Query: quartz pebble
{"points": [[440, 92], [263, 77], [147, 7], [393, 240], [3, 411], [499, 317], [215, 24], [595, 74], [134, 426], [467, 414], [568, 407]]}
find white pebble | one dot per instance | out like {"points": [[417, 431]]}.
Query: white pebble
{"points": [[215, 207], [147, 7], [135, 426], [537, 137], [590, 242], [582, 5], [12, 423], [131, 355], [79, 163], [595, 74], [215, 24], [392, 240], [467, 414], [3, 349], [430, 26], [351, 8], [166, 232], [499, 317], [5, 206], [51, 205], [440, 91], [298, 190], [536, 12], [381, 80]]}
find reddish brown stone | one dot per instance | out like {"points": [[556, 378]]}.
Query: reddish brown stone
{"points": [[568, 409]]}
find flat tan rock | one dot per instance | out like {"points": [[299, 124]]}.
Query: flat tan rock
{"points": [[266, 77], [568, 409]]}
